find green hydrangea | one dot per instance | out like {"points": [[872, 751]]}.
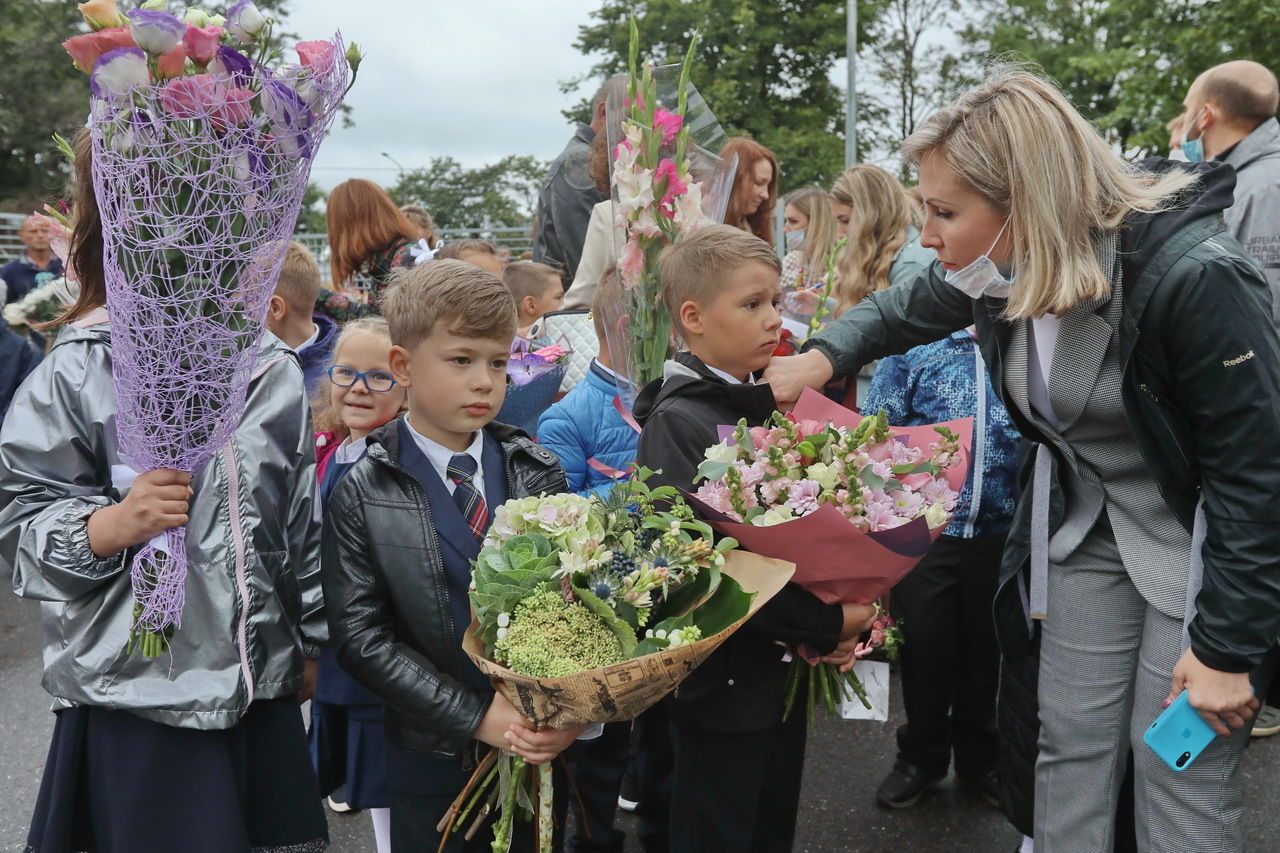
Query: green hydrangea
{"points": [[547, 638]]}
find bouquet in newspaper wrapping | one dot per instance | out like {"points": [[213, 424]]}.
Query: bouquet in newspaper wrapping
{"points": [[201, 153], [590, 610], [853, 502], [666, 179]]}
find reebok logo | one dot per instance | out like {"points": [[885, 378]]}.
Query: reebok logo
{"points": [[1240, 359]]}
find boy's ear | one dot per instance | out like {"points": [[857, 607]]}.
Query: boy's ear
{"points": [[277, 309], [528, 306], [690, 317], [398, 362]]}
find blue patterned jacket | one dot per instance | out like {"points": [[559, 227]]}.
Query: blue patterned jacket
{"points": [[944, 381]]}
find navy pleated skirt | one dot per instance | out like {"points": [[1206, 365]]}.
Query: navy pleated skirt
{"points": [[116, 783]]}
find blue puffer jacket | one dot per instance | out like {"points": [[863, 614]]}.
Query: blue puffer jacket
{"points": [[944, 381], [585, 426]]}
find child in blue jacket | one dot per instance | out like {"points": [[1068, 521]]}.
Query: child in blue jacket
{"points": [[595, 443]]}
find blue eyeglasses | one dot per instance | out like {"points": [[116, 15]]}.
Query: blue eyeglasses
{"points": [[375, 380]]}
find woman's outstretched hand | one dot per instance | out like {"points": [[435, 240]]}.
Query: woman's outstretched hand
{"points": [[789, 375]]}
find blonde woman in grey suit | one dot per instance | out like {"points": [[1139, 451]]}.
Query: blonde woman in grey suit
{"points": [[1131, 339]]}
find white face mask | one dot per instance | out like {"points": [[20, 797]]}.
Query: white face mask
{"points": [[981, 277], [794, 239]]}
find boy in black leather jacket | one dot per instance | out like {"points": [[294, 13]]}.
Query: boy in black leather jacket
{"points": [[737, 764], [402, 528]]}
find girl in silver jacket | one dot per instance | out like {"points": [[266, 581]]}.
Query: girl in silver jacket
{"points": [[203, 748]]}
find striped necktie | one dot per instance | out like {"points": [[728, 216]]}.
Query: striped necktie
{"points": [[462, 470]]}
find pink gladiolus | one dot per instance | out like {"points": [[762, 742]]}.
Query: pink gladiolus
{"points": [[316, 55], [172, 64], [84, 50], [674, 187], [631, 264], [667, 122], [202, 43]]}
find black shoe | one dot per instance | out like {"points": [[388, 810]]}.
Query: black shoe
{"points": [[987, 786], [904, 785]]}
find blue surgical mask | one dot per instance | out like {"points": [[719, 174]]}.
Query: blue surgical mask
{"points": [[1193, 148], [981, 277], [795, 239]]}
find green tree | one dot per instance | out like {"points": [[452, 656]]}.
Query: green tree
{"points": [[501, 194], [311, 216], [765, 69], [1126, 64]]}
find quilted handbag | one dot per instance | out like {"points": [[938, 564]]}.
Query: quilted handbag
{"points": [[575, 327]]}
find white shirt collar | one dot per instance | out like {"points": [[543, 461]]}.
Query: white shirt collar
{"points": [[439, 456], [350, 450], [315, 335], [732, 380]]}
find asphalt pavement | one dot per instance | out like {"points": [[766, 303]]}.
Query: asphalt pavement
{"points": [[844, 763]]}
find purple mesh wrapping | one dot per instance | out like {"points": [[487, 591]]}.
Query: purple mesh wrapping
{"points": [[199, 180]]}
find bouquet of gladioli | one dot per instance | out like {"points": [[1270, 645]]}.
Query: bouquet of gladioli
{"points": [[589, 610], [202, 148], [851, 501], [667, 179]]}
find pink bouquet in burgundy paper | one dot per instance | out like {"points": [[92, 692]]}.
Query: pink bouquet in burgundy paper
{"points": [[852, 501]]}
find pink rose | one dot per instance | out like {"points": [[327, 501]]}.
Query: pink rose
{"points": [[202, 43], [206, 96], [915, 481], [172, 64], [84, 50], [316, 55]]}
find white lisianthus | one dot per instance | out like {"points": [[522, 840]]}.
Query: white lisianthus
{"points": [[722, 453], [825, 475], [775, 515], [936, 516]]}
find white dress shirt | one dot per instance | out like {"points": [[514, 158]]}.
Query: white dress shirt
{"points": [[439, 456]]}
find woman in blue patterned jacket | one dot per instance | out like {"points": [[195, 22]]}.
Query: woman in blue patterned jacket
{"points": [[950, 661]]}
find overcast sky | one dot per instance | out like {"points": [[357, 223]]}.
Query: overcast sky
{"points": [[475, 80]]}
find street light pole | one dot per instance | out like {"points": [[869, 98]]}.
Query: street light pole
{"points": [[851, 95], [399, 168]]}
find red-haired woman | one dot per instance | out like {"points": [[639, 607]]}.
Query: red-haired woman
{"points": [[755, 187], [368, 238]]}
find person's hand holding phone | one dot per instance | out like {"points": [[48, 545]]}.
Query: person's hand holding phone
{"points": [[1225, 700]]}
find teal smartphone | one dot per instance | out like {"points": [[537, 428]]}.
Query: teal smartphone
{"points": [[1179, 734]]}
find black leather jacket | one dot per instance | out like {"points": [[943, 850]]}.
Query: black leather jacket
{"points": [[388, 603], [1201, 363]]}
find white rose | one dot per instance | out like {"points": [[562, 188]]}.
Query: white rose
{"points": [[722, 453], [936, 516]]}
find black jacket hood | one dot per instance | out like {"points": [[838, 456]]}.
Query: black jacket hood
{"points": [[1213, 193]]}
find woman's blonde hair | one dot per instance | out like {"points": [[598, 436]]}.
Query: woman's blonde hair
{"points": [[820, 233], [323, 416], [1017, 141], [880, 214]]}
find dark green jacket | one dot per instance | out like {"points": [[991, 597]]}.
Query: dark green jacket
{"points": [[1201, 364]]}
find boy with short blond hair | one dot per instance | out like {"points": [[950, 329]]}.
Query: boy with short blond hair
{"points": [[290, 318], [537, 290], [738, 764], [404, 525]]}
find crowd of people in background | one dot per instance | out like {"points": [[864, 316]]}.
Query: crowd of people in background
{"points": [[1113, 340]]}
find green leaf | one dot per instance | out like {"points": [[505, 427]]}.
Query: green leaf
{"points": [[712, 470], [624, 632], [908, 468], [727, 605], [870, 479]]}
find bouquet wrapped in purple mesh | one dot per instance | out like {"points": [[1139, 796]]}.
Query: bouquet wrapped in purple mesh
{"points": [[201, 154]]}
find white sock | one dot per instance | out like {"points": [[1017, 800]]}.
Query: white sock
{"points": [[1028, 845], [382, 828]]}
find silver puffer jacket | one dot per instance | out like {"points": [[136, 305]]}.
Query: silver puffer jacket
{"points": [[253, 600]]}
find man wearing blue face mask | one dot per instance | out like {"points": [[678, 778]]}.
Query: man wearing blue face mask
{"points": [[1231, 110]]}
